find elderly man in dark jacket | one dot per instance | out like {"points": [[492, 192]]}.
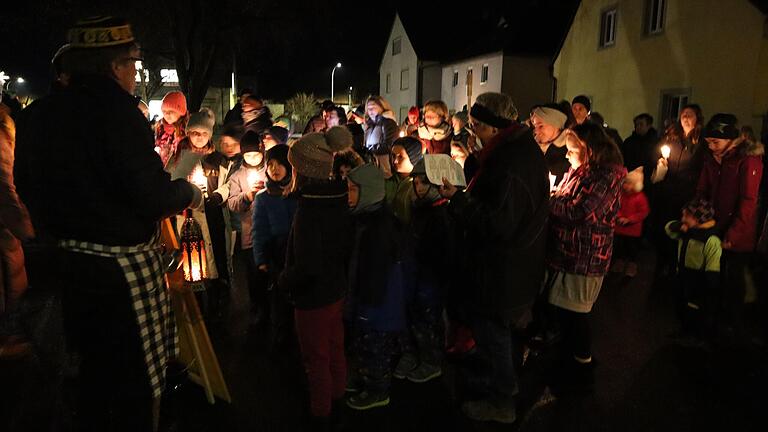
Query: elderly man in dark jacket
{"points": [[96, 192], [503, 212]]}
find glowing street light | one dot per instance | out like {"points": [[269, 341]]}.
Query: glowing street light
{"points": [[20, 80], [338, 65]]}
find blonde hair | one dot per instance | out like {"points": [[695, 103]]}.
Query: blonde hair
{"points": [[499, 104], [438, 107], [380, 101]]}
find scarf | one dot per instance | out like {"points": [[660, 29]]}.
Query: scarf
{"points": [[438, 133]]}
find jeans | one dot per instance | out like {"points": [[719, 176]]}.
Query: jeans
{"points": [[495, 344]]}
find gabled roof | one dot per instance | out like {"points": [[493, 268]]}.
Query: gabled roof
{"points": [[523, 27]]}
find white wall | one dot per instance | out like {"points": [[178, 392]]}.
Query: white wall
{"points": [[456, 97], [394, 65]]}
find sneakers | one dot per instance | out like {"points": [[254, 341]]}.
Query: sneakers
{"points": [[423, 373], [631, 270], [484, 410], [366, 400], [407, 363]]}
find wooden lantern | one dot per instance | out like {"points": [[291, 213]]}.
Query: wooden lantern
{"points": [[194, 263]]}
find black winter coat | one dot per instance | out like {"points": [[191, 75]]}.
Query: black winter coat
{"points": [[319, 247], [86, 168], [503, 217]]}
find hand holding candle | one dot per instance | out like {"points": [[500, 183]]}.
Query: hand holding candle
{"points": [[402, 134], [665, 151], [198, 179], [552, 180]]}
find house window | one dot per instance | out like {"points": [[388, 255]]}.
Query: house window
{"points": [[386, 84], [455, 78], [655, 14], [404, 77], [396, 46], [608, 27], [672, 102], [484, 74]]}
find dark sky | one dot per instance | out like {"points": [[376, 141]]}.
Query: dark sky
{"points": [[280, 47]]}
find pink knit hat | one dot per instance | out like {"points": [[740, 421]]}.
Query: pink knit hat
{"points": [[175, 101]]}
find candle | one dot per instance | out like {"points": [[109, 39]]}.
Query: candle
{"points": [[665, 150], [402, 134], [198, 178], [552, 179], [253, 178]]}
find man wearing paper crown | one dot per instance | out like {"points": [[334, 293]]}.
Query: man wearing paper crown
{"points": [[96, 192], [503, 214]]}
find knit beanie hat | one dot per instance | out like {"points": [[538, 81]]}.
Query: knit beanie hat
{"points": [[551, 116], [412, 146], [370, 179], [176, 101], [722, 126], [250, 142], [701, 210], [279, 153], [100, 32], [414, 110], [203, 119], [635, 177], [581, 99], [280, 134], [312, 154]]}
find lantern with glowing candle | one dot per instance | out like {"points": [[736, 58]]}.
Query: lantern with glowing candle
{"points": [[665, 151], [193, 253]]}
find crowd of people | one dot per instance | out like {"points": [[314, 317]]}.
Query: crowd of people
{"points": [[377, 269]]}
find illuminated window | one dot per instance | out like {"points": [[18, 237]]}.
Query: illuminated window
{"points": [[396, 46], [404, 78], [655, 11], [608, 27], [169, 75], [484, 74]]}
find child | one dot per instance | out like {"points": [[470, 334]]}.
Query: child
{"points": [[406, 152], [248, 180], [272, 216], [468, 161], [629, 224], [699, 252], [172, 127], [344, 162], [316, 265], [435, 132], [431, 232], [375, 303]]}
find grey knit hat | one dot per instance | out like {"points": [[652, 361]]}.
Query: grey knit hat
{"points": [[312, 155], [204, 119], [370, 179]]}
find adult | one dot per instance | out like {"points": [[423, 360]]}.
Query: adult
{"points": [[730, 180], [503, 213], [639, 149], [581, 106], [274, 136], [548, 123], [598, 118], [235, 115], [256, 115], [675, 178], [380, 131], [96, 211], [583, 213]]}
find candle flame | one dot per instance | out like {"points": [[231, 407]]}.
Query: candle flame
{"points": [[402, 134], [198, 177], [253, 177], [552, 180], [665, 151]]}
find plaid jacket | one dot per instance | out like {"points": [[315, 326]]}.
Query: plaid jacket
{"points": [[583, 213]]}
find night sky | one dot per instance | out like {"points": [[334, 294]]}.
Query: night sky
{"points": [[279, 47]]}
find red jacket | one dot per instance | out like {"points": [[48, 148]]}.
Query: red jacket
{"points": [[732, 186], [634, 206]]}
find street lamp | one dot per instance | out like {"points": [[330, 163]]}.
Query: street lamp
{"points": [[338, 65], [20, 80]]}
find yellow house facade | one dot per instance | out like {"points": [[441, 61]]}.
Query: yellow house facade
{"points": [[634, 56]]}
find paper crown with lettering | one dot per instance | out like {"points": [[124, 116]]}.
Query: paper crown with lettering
{"points": [[100, 32]]}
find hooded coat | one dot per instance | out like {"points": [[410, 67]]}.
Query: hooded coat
{"points": [[732, 186]]}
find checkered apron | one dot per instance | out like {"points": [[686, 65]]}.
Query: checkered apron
{"points": [[142, 266]]}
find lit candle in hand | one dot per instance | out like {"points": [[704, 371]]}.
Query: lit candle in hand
{"points": [[665, 151], [198, 179], [253, 178], [552, 180], [402, 134]]}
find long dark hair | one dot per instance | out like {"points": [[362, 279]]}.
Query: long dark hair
{"points": [[601, 150], [675, 132]]}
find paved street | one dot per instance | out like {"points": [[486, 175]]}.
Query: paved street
{"points": [[644, 382]]}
